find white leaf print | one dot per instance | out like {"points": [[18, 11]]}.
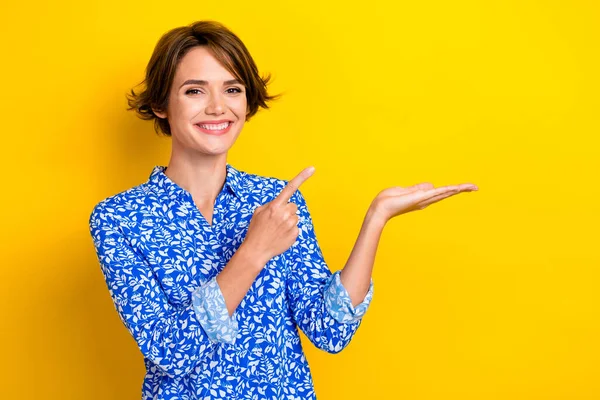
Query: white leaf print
{"points": [[161, 279]]}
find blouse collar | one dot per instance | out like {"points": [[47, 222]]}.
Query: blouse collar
{"points": [[234, 180]]}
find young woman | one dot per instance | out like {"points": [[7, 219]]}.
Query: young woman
{"points": [[212, 269]]}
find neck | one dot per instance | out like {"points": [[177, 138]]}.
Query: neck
{"points": [[203, 176]]}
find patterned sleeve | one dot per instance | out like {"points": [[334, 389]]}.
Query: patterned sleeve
{"points": [[212, 313], [313, 291], [339, 303], [174, 338]]}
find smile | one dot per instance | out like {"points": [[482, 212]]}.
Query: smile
{"points": [[214, 129]]}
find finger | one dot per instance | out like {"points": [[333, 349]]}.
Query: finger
{"points": [[435, 199], [401, 190], [291, 207], [427, 186], [292, 186], [424, 186], [420, 195], [444, 189], [415, 188]]}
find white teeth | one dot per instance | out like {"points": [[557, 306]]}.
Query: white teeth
{"points": [[215, 127]]}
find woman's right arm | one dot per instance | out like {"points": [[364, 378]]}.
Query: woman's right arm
{"points": [[173, 338], [272, 230]]}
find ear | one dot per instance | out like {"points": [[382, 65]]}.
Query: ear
{"points": [[162, 115]]}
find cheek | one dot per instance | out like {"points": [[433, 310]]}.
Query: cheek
{"points": [[239, 107], [186, 108], [192, 108]]}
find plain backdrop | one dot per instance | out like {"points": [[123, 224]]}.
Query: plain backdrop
{"points": [[486, 295]]}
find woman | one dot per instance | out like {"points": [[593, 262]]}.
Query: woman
{"points": [[212, 269]]}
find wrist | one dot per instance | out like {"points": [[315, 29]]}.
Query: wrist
{"points": [[375, 217], [254, 259]]}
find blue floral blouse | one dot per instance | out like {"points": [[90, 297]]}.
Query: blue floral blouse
{"points": [[160, 256]]}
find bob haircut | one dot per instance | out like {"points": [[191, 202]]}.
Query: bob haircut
{"points": [[223, 44]]}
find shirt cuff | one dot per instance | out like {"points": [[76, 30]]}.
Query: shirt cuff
{"points": [[211, 311], [339, 304]]}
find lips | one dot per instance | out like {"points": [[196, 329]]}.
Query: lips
{"points": [[216, 132], [215, 122]]}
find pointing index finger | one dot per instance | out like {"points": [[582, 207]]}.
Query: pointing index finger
{"points": [[293, 185]]}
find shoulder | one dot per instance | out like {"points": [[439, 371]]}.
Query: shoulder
{"points": [[110, 208], [268, 187]]}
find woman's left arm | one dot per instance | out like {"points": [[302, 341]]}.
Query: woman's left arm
{"points": [[356, 274], [329, 307]]}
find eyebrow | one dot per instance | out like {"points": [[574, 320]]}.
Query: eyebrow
{"points": [[204, 83]]}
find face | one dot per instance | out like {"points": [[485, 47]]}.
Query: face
{"points": [[207, 106]]}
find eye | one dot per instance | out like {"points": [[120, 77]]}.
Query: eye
{"points": [[192, 91], [235, 90]]}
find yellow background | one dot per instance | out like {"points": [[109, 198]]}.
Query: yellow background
{"points": [[485, 295]]}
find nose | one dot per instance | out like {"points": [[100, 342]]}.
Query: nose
{"points": [[216, 105]]}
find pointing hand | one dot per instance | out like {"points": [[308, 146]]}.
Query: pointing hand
{"points": [[274, 225]]}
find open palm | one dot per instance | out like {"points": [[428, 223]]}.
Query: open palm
{"points": [[401, 200]]}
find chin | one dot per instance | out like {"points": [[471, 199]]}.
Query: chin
{"points": [[214, 150]]}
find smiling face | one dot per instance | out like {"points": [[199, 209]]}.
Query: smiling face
{"points": [[207, 105]]}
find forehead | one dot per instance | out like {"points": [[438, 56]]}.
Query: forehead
{"points": [[199, 63]]}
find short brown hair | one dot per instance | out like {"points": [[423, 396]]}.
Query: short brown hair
{"points": [[224, 45]]}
